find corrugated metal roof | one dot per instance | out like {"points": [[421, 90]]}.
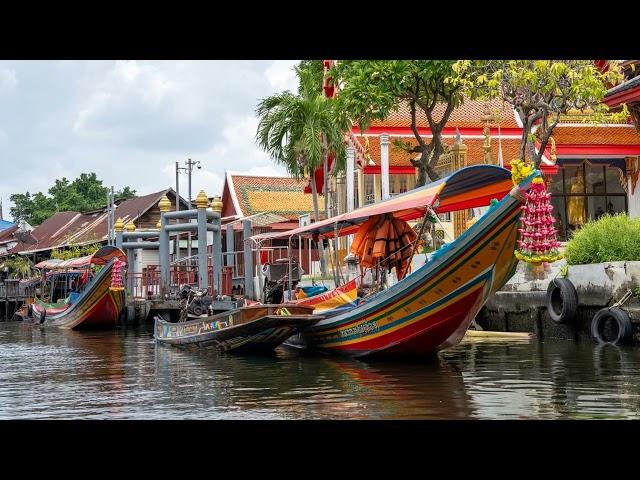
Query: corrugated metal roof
{"points": [[7, 233], [73, 228]]}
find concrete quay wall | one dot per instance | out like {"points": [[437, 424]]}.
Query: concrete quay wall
{"points": [[521, 305]]}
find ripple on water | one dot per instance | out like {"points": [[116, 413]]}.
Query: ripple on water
{"points": [[122, 374]]}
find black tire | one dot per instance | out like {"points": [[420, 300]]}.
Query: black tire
{"points": [[562, 300], [43, 316], [30, 310], [611, 317], [197, 310]]}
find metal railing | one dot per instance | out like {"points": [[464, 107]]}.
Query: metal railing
{"points": [[146, 284]]}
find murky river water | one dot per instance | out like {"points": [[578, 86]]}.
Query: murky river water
{"points": [[50, 373]]}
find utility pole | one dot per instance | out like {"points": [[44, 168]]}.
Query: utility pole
{"points": [[113, 216], [190, 167], [108, 217], [177, 240], [189, 170]]}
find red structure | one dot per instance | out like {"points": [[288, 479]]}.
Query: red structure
{"points": [[538, 242], [329, 92]]}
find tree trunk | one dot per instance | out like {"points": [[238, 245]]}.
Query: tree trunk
{"points": [[536, 158], [316, 214], [426, 172]]}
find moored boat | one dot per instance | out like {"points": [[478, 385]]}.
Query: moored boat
{"points": [[257, 328], [431, 308], [84, 302]]}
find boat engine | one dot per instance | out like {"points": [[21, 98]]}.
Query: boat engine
{"points": [[195, 302], [277, 279]]}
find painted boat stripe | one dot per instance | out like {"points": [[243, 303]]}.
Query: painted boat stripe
{"points": [[388, 308]]}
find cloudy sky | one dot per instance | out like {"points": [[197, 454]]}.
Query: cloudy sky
{"points": [[130, 121]]}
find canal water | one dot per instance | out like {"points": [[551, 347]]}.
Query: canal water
{"points": [[123, 374]]}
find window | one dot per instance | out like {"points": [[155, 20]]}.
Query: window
{"points": [[369, 186], [404, 181], [584, 192]]}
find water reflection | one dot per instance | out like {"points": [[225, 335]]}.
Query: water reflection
{"points": [[49, 373]]}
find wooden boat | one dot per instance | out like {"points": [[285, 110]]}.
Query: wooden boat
{"points": [[98, 304], [256, 328], [430, 309]]}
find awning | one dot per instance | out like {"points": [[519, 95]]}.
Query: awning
{"points": [[101, 257], [469, 187]]}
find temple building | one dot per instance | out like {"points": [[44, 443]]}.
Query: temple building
{"points": [[591, 169], [272, 204]]}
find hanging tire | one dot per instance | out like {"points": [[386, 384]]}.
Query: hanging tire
{"points": [[562, 300], [43, 316], [611, 326]]}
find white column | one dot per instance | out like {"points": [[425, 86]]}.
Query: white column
{"points": [[361, 188], [377, 189], [634, 199], [384, 164], [351, 161]]}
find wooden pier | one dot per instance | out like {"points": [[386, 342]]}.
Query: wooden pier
{"points": [[12, 297]]}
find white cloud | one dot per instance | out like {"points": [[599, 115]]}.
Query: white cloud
{"points": [[8, 80], [282, 76], [130, 121]]}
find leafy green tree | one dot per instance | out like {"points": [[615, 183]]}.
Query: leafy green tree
{"points": [[299, 131], [316, 71], [372, 89], [18, 267], [83, 194], [125, 193], [22, 206], [42, 207], [541, 91], [75, 251]]}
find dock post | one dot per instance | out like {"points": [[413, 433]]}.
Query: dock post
{"points": [[248, 259], [119, 227], [230, 247], [203, 273], [216, 250], [131, 261], [165, 275]]}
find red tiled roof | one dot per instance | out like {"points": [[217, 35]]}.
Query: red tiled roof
{"points": [[468, 115], [281, 195], [596, 135], [69, 228], [475, 150]]}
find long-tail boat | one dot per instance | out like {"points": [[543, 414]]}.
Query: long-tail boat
{"points": [[257, 328], [92, 302], [431, 308]]}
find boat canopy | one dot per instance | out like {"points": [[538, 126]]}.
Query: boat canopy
{"points": [[469, 187], [101, 257]]}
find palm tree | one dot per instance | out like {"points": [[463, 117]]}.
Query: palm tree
{"points": [[299, 131]]}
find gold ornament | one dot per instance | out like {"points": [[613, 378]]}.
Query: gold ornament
{"points": [[164, 204]]}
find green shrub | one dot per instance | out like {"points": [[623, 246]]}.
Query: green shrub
{"points": [[612, 238], [18, 267], [75, 251]]}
